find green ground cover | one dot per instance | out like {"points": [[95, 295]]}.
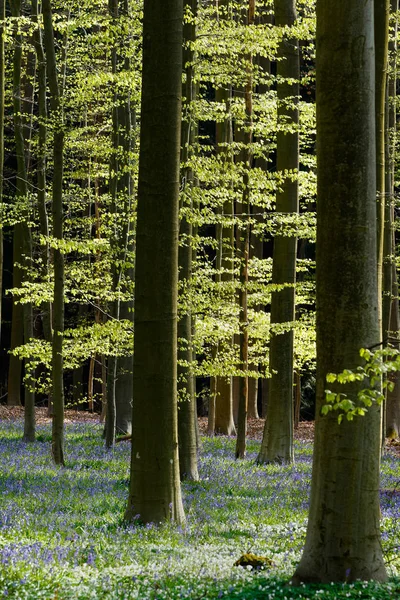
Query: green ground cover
{"points": [[62, 534]]}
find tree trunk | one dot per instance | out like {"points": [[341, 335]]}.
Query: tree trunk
{"points": [[126, 120], [120, 390], [114, 307], [17, 324], [22, 134], [252, 409], [57, 213], [244, 254], [187, 411], [46, 308], [277, 443], [392, 420], [154, 492], [381, 33], [2, 91], [224, 423], [343, 538], [17, 319]]}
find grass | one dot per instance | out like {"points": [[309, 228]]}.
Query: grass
{"points": [[62, 535]]}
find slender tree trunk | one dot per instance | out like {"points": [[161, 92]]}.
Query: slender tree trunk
{"points": [[343, 538], [297, 403], [224, 423], [2, 91], [187, 410], [212, 402], [115, 274], [22, 134], [126, 119], [17, 320], [277, 443], [57, 213], [26, 105], [120, 387], [392, 421], [244, 254], [154, 493], [255, 251], [46, 308], [381, 32]]}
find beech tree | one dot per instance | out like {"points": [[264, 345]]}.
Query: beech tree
{"points": [[221, 401], [154, 492], [391, 288], [277, 444], [2, 95], [57, 213], [343, 537], [381, 34], [187, 413]]}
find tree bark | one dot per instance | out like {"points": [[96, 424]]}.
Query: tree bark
{"points": [[343, 538], [154, 492]]}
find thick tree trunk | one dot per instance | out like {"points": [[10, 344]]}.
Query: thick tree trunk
{"points": [[343, 538], [154, 492], [277, 443], [57, 213]]}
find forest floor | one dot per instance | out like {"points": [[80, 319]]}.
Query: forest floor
{"points": [[62, 533], [255, 427]]}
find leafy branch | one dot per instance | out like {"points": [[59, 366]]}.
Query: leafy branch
{"points": [[378, 365]]}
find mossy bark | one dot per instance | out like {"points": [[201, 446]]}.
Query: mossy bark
{"points": [[343, 537], [154, 492]]}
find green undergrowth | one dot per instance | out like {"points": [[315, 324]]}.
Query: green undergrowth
{"points": [[62, 535]]}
